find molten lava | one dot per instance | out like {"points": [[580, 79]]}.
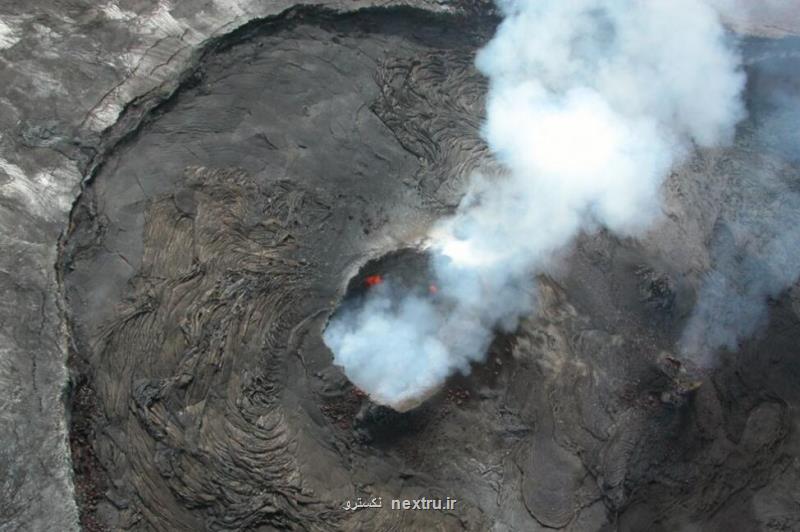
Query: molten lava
{"points": [[373, 280]]}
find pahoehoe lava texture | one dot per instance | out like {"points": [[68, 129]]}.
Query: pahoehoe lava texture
{"points": [[212, 243], [217, 237]]}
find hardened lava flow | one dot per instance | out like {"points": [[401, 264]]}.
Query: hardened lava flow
{"points": [[211, 248]]}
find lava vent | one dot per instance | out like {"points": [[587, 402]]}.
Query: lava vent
{"points": [[388, 292]]}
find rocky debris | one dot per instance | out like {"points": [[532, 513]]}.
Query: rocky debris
{"points": [[458, 396], [657, 289]]}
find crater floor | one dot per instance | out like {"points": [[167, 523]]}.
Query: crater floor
{"points": [[219, 234]]}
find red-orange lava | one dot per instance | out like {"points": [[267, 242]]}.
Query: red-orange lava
{"points": [[373, 280]]}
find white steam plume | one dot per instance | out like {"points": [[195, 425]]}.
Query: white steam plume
{"points": [[755, 249], [590, 103]]}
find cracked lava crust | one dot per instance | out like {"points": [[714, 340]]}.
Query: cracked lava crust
{"points": [[218, 235]]}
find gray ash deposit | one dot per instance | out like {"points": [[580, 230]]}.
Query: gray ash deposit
{"points": [[224, 226]]}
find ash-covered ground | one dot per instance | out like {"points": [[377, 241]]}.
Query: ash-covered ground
{"points": [[220, 231]]}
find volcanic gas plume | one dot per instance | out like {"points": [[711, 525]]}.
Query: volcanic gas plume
{"points": [[755, 248], [590, 104]]}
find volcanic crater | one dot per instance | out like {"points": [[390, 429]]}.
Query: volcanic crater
{"points": [[211, 246]]}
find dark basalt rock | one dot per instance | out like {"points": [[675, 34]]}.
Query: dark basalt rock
{"points": [[220, 231]]}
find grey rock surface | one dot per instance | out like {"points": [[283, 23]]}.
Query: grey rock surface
{"points": [[229, 184], [68, 69]]}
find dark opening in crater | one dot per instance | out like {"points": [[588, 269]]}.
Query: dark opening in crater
{"points": [[405, 269], [394, 278]]}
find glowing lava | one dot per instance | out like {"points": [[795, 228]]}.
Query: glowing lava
{"points": [[373, 280]]}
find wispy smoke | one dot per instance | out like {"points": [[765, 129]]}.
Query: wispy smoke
{"points": [[755, 248], [590, 103]]}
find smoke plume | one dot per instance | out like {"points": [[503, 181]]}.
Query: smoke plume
{"points": [[755, 248], [590, 103]]}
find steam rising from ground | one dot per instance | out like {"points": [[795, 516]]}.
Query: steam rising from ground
{"points": [[755, 250], [590, 103]]}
